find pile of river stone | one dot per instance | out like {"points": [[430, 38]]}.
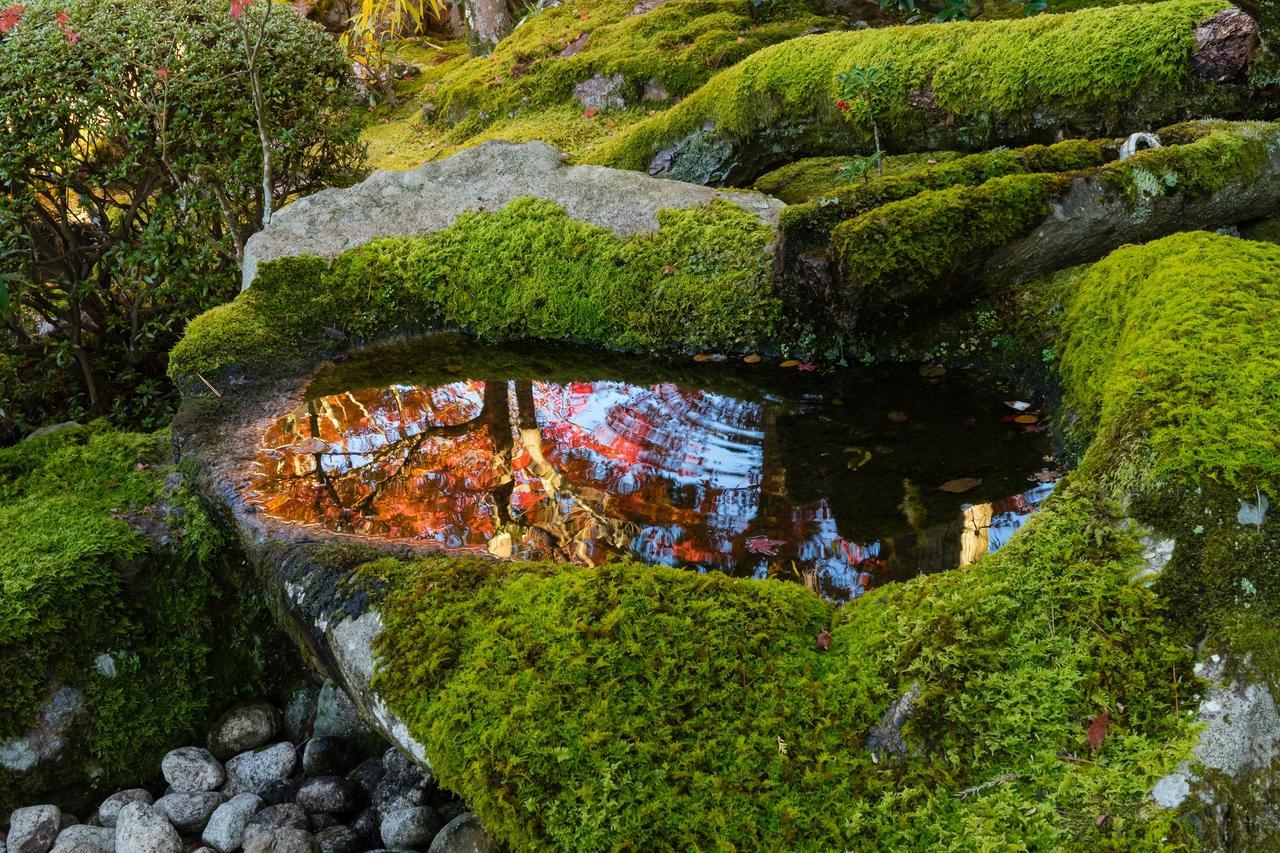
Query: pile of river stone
{"points": [[251, 790]]}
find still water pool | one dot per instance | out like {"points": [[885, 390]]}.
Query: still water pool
{"points": [[840, 480]]}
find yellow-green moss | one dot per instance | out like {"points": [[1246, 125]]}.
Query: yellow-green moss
{"points": [[1171, 355], [1121, 66], [80, 576], [650, 708], [524, 89], [529, 270]]}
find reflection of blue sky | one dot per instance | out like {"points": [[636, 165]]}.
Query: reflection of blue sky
{"points": [[1005, 524]]}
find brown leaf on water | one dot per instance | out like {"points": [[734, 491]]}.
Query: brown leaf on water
{"points": [[961, 485], [701, 357], [1025, 419], [898, 417], [791, 362], [1098, 730], [1046, 476], [753, 359]]}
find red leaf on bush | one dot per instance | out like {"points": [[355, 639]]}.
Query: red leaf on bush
{"points": [[590, 113], [238, 7], [1098, 730], [824, 639], [162, 73]]}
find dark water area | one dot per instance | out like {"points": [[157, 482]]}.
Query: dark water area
{"points": [[837, 479]]}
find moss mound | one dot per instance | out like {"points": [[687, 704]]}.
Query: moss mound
{"points": [[101, 558], [966, 82], [528, 270], [630, 706], [634, 706]]}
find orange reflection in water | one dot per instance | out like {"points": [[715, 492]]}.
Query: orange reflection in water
{"points": [[574, 472]]}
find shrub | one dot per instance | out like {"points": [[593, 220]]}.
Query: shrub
{"points": [[131, 169]]}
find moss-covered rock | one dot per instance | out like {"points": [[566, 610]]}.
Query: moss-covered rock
{"points": [[967, 86], [702, 279], [122, 618], [913, 253]]}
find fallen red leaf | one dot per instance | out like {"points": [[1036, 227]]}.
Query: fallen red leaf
{"points": [[824, 639], [1098, 730], [590, 113], [763, 545]]}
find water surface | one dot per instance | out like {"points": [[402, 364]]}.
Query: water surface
{"points": [[830, 479]]}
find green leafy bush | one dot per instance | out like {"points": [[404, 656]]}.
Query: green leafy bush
{"points": [[131, 175]]}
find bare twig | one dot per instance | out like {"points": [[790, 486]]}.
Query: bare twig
{"points": [[990, 783]]}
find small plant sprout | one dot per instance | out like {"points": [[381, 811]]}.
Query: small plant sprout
{"points": [[865, 83]]}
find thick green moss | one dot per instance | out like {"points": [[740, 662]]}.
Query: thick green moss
{"points": [[82, 574], [1099, 68], [524, 89], [811, 223], [529, 270], [648, 708], [1169, 352], [893, 256]]}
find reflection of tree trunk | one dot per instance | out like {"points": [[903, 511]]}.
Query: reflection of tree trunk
{"points": [[496, 415]]}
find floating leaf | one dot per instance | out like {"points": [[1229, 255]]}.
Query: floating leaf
{"points": [[1025, 419], [701, 357], [932, 371], [806, 366], [961, 485], [859, 456], [753, 359], [898, 417], [791, 362]]}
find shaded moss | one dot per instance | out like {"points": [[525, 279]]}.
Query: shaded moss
{"points": [[804, 180], [904, 255], [891, 258], [810, 223], [101, 558], [1019, 79], [528, 270]]}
